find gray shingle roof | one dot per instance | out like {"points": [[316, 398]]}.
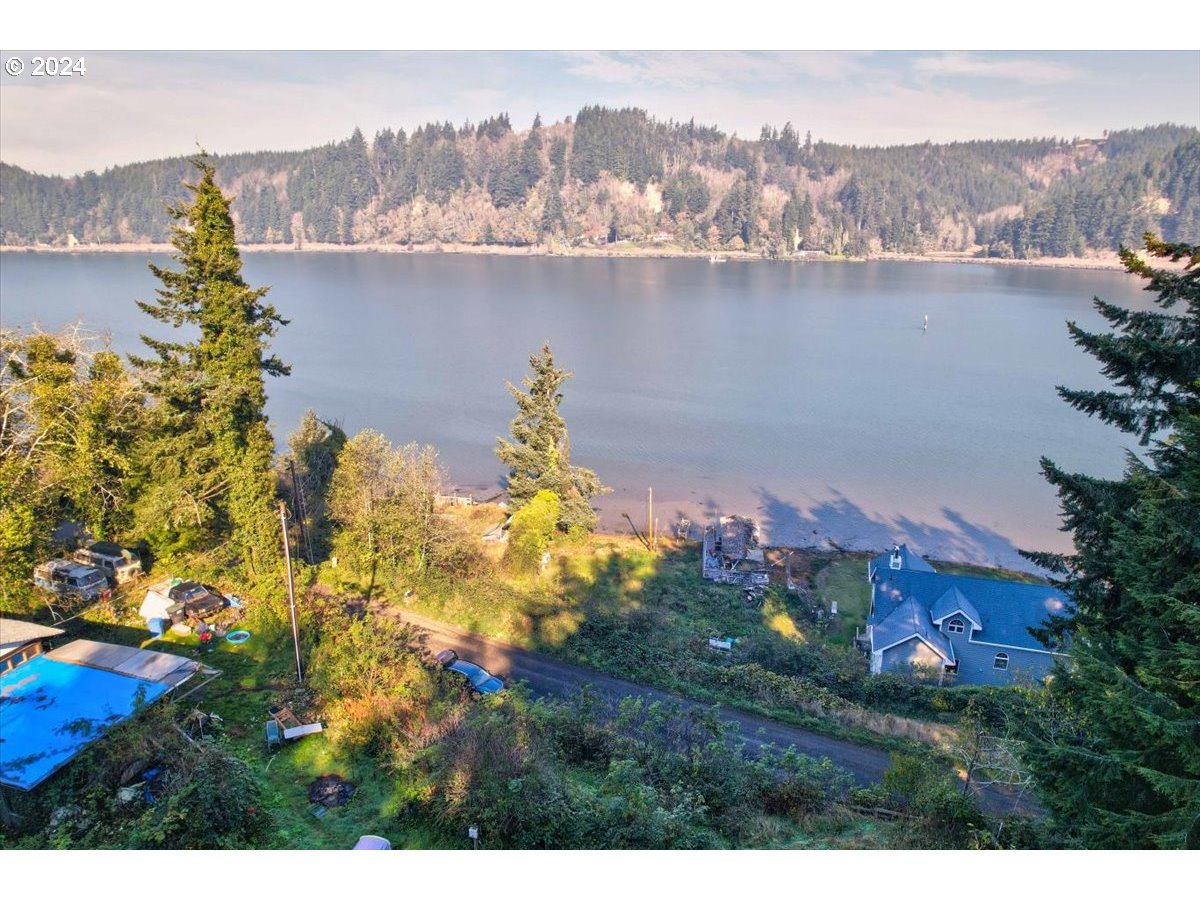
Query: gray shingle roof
{"points": [[1006, 609], [951, 602], [15, 633], [910, 619], [909, 561]]}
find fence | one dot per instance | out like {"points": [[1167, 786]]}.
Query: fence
{"points": [[455, 499]]}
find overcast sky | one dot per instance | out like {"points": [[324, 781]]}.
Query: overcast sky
{"points": [[133, 106]]}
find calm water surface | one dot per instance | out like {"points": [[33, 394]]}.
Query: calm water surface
{"points": [[804, 394]]}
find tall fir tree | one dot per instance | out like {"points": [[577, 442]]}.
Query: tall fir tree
{"points": [[208, 458], [539, 455], [313, 448], [1115, 744]]}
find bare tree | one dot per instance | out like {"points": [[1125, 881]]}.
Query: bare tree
{"points": [[988, 753]]}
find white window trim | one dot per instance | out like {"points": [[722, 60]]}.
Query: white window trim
{"points": [[996, 662], [1015, 647], [958, 612], [951, 629]]}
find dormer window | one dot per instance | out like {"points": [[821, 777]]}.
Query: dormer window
{"points": [[897, 561], [1001, 662], [955, 626]]}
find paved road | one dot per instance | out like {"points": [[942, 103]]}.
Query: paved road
{"points": [[547, 676]]}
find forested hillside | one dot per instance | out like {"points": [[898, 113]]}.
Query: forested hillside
{"points": [[609, 175]]}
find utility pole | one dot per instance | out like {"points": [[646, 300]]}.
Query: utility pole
{"points": [[287, 555], [650, 519], [301, 510]]}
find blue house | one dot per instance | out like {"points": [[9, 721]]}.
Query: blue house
{"points": [[966, 630]]}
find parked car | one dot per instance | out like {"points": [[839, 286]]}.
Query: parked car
{"points": [[120, 565], [373, 842], [192, 600], [69, 579], [480, 678]]}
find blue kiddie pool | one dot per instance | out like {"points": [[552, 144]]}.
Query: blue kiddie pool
{"points": [[238, 637]]}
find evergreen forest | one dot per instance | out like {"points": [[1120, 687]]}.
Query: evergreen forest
{"points": [[620, 176]]}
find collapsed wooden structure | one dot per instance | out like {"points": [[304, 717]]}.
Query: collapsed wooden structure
{"points": [[731, 553]]}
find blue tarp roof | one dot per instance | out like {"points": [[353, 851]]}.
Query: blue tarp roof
{"points": [[51, 710]]}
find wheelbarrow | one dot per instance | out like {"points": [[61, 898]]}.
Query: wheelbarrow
{"points": [[274, 735]]}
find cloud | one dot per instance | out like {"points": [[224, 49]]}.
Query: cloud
{"points": [[697, 69], [134, 106], [1024, 70]]}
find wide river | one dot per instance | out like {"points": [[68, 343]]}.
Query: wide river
{"points": [[806, 395]]}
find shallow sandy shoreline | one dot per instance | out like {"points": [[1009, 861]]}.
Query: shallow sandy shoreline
{"points": [[1107, 261]]}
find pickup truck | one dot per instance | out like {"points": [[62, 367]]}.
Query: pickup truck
{"points": [[193, 600]]}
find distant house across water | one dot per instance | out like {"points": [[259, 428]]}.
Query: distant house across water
{"points": [[967, 630]]}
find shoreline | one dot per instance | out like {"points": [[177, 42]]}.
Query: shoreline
{"points": [[1108, 261], [877, 532]]}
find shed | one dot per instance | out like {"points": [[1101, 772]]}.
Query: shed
{"points": [[54, 706], [21, 641]]}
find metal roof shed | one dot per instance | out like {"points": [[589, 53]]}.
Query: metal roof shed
{"points": [[54, 706], [15, 634]]}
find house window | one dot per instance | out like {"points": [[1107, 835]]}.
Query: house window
{"points": [[955, 626], [896, 561], [1001, 661]]}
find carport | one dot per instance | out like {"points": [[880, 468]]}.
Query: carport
{"points": [[55, 705]]}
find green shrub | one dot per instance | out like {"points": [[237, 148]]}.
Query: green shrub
{"points": [[215, 804], [533, 528], [205, 797], [924, 788], [373, 676]]}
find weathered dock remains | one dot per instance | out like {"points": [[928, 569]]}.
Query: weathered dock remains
{"points": [[732, 554]]}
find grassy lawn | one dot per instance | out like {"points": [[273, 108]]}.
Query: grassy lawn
{"points": [[845, 580]]}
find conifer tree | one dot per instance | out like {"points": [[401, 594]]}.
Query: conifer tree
{"points": [[208, 459], [314, 447], [1115, 744], [539, 455]]}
